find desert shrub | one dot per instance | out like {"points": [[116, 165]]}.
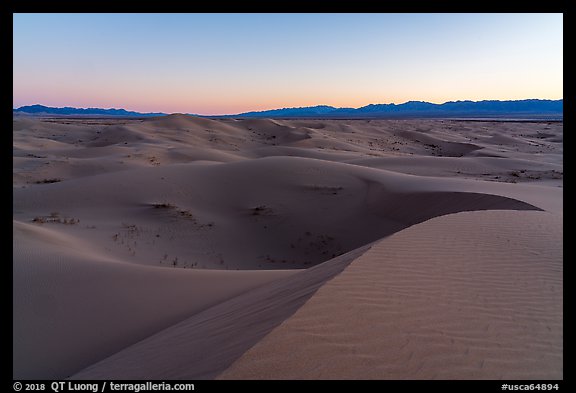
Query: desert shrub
{"points": [[46, 181]]}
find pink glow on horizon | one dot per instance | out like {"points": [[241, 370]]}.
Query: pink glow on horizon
{"points": [[233, 63], [215, 108]]}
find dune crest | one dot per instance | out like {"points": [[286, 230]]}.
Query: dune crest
{"points": [[463, 296]]}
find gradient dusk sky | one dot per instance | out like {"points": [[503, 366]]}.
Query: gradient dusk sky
{"points": [[232, 63]]}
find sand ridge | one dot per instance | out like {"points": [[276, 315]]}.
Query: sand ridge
{"points": [[463, 296]]}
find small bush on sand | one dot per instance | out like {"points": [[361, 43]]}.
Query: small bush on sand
{"points": [[46, 181]]}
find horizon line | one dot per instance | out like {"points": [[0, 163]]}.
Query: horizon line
{"points": [[288, 107]]}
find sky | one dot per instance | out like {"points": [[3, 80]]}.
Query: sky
{"points": [[231, 63]]}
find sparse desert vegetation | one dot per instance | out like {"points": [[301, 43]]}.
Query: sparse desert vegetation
{"points": [[47, 181], [55, 217]]}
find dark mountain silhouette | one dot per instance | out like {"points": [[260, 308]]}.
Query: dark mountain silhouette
{"points": [[527, 109], [69, 111], [489, 108], [296, 112]]}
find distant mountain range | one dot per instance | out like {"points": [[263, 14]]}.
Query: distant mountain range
{"points": [[491, 108], [40, 110], [532, 108]]}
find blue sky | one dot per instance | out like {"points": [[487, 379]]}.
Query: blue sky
{"points": [[230, 63]]}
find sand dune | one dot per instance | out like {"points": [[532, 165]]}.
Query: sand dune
{"points": [[295, 213], [205, 344], [188, 243], [74, 306], [441, 147], [464, 296], [486, 168]]}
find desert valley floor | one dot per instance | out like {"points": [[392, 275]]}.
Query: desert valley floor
{"points": [[180, 247]]}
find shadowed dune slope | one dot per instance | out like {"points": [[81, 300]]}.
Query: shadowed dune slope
{"points": [[185, 351], [74, 306], [472, 295], [286, 212], [205, 344]]}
